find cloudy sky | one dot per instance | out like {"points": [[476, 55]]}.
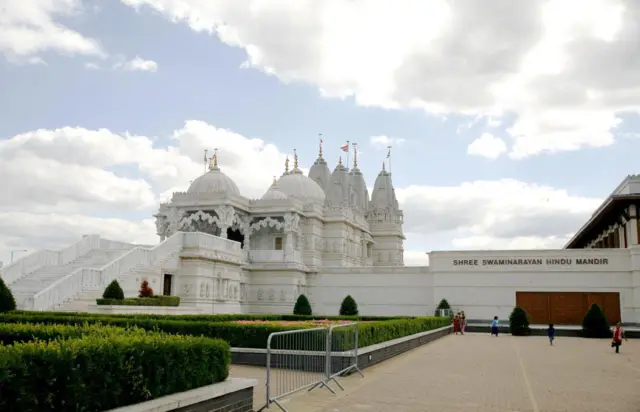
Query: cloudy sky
{"points": [[510, 121]]}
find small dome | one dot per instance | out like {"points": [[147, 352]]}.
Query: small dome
{"points": [[214, 181], [274, 194], [296, 184]]}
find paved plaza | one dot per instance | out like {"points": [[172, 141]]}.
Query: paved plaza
{"points": [[477, 372]]}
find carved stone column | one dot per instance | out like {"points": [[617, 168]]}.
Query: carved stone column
{"points": [[291, 226], [226, 215]]}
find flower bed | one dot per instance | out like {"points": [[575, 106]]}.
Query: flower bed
{"points": [[103, 369]]}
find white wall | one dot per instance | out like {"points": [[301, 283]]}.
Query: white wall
{"points": [[483, 289], [378, 290]]}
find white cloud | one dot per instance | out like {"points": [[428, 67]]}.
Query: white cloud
{"points": [[495, 214], [137, 64], [382, 142], [487, 146], [562, 71], [92, 66], [29, 27], [416, 258]]}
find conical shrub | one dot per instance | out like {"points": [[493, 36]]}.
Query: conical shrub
{"points": [[113, 291], [443, 305], [302, 306], [519, 322], [349, 307], [7, 302], [595, 324]]}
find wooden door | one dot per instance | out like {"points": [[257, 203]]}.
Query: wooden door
{"points": [[567, 308], [166, 290], [536, 304]]}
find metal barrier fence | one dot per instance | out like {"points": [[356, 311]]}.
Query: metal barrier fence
{"points": [[308, 359]]}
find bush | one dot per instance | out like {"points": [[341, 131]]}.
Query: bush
{"points": [[145, 290], [302, 306], [349, 307], [443, 305], [519, 322], [153, 301], [595, 324], [7, 302], [97, 373], [113, 291]]}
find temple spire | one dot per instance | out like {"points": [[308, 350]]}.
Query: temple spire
{"points": [[295, 159], [320, 152], [340, 161], [355, 155], [286, 165]]}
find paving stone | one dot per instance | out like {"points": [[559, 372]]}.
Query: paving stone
{"points": [[477, 372]]}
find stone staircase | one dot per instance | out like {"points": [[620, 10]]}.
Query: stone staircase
{"points": [[83, 301], [30, 284]]}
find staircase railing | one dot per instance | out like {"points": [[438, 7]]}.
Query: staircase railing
{"points": [[82, 279], [86, 278], [41, 258]]}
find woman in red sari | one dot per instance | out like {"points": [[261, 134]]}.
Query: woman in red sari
{"points": [[456, 324]]}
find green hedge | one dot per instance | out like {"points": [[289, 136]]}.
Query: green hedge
{"points": [[153, 301], [97, 373], [241, 336], [26, 332], [217, 318]]}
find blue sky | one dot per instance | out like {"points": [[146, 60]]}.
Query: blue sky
{"points": [[202, 75]]}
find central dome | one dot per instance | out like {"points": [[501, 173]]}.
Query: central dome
{"points": [[295, 184], [214, 181]]}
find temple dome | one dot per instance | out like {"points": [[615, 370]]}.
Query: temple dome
{"points": [[214, 181], [295, 184], [274, 193]]}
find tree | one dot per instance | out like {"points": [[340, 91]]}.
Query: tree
{"points": [[595, 324], [443, 305], [349, 307], [145, 290], [519, 322], [7, 302], [113, 291], [302, 306]]}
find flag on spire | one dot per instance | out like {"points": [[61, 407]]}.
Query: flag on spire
{"points": [[345, 148], [389, 152]]}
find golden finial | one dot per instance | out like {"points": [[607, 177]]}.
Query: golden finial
{"points": [[340, 161], [286, 165], [355, 156], [320, 137], [295, 159], [213, 161], [383, 168]]}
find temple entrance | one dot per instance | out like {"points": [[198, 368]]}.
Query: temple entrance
{"points": [[166, 287], [567, 308], [235, 235]]}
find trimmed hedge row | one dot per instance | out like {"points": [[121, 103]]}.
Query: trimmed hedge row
{"points": [[153, 301], [11, 333], [104, 371], [216, 318], [238, 335]]}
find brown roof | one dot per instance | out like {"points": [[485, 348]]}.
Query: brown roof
{"points": [[606, 215]]}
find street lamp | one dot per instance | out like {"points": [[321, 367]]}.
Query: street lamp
{"points": [[17, 250]]}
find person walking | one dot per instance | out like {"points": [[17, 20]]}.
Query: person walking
{"points": [[618, 335], [463, 322], [456, 324], [495, 326], [551, 333]]}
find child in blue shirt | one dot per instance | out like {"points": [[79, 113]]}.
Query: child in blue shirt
{"points": [[495, 325], [551, 333]]}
